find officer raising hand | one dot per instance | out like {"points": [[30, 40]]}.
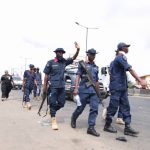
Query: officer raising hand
{"points": [[77, 52], [54, 71]]}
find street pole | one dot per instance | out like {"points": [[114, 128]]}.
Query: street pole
{"points": [[25, 62], [86, 38], [87, 28]]}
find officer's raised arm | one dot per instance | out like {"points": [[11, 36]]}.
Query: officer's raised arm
{"points": [[77, 52]]}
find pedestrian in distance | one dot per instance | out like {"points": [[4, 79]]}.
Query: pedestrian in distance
{"points": [[86, 92], [34, 87], [119, 90], [6, 85], [37, 89], [38, 77], [29, 81], [54, 72]]}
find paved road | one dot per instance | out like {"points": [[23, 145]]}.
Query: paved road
{"points": [[21, 129]]}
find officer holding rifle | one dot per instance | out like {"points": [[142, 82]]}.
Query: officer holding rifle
{"points": [[87, 93]]}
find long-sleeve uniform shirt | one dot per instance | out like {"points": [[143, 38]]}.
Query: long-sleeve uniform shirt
{"points": [[29, 79], [55, 69], [118, 68], [85, 86]]}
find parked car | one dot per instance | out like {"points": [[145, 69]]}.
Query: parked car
{"points": [[70, 75], [17, 82], [103, 91]]}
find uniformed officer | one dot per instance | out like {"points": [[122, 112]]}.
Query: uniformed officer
{"points": [[39, 82], [6, 85], [119, 119], [35, 87], [87, 93], [29, 81], [119, 92], [54, 71]]}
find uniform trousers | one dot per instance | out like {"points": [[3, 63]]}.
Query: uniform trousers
{"points": [[56, 100], [118, 99], [92, 100]]}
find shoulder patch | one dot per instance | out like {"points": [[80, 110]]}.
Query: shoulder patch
{"points": [[124, 57], [47, 65]]}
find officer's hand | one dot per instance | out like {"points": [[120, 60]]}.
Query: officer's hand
{"points": [[75, 92], [143, 84], [76, 45]]}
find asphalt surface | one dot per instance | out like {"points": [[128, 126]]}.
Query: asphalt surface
{"points": [[21, 129]]}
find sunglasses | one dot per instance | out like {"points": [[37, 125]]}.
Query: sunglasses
{"points": [[60, 52], [92, 54]]}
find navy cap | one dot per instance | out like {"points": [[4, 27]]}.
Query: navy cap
{"points": [[59, 50], [31, 66], [91, 51], [122, 45]]}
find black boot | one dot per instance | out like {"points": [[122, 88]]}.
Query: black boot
{"points": [[129, 131], [73, 122], [91, 130], [109, 128]]}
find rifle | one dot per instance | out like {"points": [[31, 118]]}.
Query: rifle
{"points": [[89, 75], [44, 95]]}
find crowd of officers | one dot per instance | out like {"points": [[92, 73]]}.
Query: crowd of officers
{"points": [[54, 74]]}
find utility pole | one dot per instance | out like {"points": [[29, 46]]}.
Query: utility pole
{"points": [[86, 38]]}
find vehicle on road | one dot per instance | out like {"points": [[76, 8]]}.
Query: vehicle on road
{"points": [[70, 75], [105, 78], [17, 82]]}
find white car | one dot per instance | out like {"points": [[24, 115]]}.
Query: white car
{"points": [[17, 82]]}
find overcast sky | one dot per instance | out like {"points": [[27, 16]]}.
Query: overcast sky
{"points": [[30, 30]]}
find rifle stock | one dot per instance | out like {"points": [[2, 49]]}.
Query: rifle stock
{"points": [[89, 75]]}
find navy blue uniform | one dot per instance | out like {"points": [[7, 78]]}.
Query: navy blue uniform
{"points": [[87, 93], [55, 69], [120, 110], [37, 89], [118, 88], [29, 84]]}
